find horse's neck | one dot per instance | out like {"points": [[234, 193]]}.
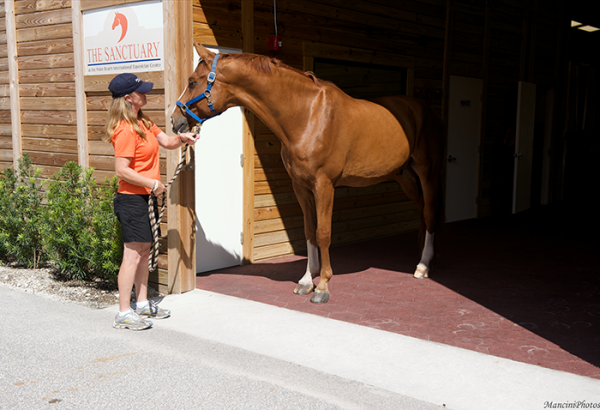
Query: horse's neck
{"points": [[281, 100]]}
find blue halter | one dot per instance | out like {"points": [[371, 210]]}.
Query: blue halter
{"points": [[209, 83]]}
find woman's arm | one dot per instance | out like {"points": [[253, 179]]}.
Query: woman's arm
{"points": [[175, 141], [127, 174]]}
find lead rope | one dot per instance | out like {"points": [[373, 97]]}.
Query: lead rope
{"points": [[155, 224]]}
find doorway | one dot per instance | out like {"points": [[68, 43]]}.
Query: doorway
{"points": [[219, 188]]}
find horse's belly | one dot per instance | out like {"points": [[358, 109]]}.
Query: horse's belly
{"points": [[376, 157], [355, 181]]}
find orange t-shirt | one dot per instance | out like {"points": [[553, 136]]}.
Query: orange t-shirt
{"points": [[145, 155]]}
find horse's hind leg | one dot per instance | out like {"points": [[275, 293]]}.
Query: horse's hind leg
{"points": [[423, 189], [432, 214], [422, 270], [307, 203], [411, 185]]}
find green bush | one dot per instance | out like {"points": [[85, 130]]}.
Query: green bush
{"points": [[6, 185], [20, 213], [80, 232], [72, 224], [109, 249]]}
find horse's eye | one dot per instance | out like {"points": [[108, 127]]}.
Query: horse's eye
{"points": [[191, 84]]}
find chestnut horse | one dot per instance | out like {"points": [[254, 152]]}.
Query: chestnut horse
{"points": [[328, 139]]}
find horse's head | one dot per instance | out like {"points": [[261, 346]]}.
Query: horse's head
{"points": [[117, 20], [203, 96]]}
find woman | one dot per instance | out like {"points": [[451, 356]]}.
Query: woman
{"points": [[136, 140]]}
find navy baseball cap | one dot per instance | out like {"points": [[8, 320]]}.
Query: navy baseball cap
{"points": [[126, 83]]}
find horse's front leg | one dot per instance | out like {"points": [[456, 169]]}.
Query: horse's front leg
{"points": [[307, 203], [306, 285], [324, 206]]}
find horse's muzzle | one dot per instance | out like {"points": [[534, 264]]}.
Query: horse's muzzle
{"points": [[180, 124]]}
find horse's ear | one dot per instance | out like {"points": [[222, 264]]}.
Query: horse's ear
{"points": [[203, 52]]}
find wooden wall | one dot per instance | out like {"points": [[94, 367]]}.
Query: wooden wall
{"points": [[45, 82], [6, 146]]}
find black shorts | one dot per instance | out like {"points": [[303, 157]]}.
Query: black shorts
{"points": [[132, 212]]}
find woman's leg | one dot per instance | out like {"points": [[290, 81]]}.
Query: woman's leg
{"points": [[141, 275], [134, 270]]}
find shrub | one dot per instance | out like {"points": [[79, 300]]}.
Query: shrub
{"points": [[109, 247], [5, 186], [81, 232], [20, 213]]}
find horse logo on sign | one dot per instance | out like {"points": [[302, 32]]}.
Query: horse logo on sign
{"points": [[134, 48], [120, 20]]}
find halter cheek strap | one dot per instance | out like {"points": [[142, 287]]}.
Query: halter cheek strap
{"points": [[209, 83]]}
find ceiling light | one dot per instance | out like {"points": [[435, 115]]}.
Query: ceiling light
{"points": [[588, 28], [575, 23]]}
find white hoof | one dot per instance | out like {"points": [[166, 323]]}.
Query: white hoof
{"points": [[422, 271]]}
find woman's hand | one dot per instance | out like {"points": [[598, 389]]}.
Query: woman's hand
{"points": [[160, 188], [188, 138]]}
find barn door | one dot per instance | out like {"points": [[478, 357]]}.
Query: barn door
{"points": [[219, 189], [464, 127], [524, 147]]}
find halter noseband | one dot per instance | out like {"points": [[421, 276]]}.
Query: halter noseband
{"points": [[209, 83]]}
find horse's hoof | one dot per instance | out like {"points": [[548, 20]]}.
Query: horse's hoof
{"points": [[303, 289], [320, 296], [422, 271]]}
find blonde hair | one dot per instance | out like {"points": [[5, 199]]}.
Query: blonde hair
{"points": [[120, 109]]}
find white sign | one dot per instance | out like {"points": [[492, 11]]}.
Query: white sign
{"points": [[124, 39]]}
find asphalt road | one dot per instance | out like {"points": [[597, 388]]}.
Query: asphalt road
{"points": [[65, 356]]}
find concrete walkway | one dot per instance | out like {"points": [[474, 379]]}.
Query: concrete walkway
{"points": [[428, 371]]}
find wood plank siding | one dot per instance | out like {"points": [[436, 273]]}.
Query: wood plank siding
{"points": [[46, 82]]}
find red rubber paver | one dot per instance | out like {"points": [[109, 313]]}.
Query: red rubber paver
{"points": [[522, 287]]}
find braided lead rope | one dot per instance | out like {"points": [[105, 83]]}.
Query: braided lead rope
{"points": [[153, 257]]}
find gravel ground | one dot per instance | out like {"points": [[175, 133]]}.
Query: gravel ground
{"points": [[47, 281]]}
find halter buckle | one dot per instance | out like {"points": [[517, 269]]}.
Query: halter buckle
{"points": [[196, 128], [211, 77]]}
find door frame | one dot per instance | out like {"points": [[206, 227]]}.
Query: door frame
{"points": [[526, 102]]}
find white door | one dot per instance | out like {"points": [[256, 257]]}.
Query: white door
{"points": [[524, 147], [464, 127], [219, 188]]}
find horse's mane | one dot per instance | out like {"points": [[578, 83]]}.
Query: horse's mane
{"points": [[264, 64]]}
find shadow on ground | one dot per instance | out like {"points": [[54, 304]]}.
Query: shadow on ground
{"points": [[524, 287]]}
